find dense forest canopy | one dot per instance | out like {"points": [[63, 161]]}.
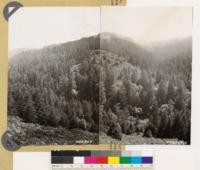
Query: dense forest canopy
{"points": [[105, 79], [57, 85], [146, 89]]}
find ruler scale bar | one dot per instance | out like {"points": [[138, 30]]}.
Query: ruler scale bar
{"points": [[99, 168]]}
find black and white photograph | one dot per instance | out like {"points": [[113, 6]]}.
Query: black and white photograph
{"points": [[53, 76], [90, 75], [145, 81]]}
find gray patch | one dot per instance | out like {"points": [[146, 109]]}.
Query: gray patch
{"points": [[8, 142], [15, 5]]}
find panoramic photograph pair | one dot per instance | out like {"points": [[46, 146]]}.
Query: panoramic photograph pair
{"points": [[100, 75]]}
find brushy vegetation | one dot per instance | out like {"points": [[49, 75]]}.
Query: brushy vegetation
{"points": [[34, 134]]}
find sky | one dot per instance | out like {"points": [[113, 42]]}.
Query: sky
{"points": [[148, 24], [35, 27]]}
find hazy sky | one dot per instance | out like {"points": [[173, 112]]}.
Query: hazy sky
{"points": [[35, 27], [147, 24]]}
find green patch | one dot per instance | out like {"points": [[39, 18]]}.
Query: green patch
{"points": [[125, 160]]}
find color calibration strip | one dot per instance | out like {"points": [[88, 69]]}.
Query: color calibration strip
{"points": [[100, 159]]}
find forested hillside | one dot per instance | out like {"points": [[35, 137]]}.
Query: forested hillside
{"points": [[57, 85], [145, 90], [107, 82]]}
